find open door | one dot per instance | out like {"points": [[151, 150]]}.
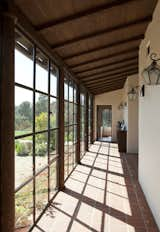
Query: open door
{"points": [[104, 123]]}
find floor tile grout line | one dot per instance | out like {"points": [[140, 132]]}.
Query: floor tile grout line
{"points": [[79, 203], [135, 192]]}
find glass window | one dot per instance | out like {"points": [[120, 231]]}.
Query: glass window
{"points": [[54, 80], [23, 156], [41, 112], [36, 131], [41, 145], [41, 72], [24, 68], [53, 113], [24, 206], [23, 111], [41, 192]]}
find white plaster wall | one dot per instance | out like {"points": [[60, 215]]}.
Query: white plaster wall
{"points": [[149, 123], [132, 135], [130, 114], [111, 98]]}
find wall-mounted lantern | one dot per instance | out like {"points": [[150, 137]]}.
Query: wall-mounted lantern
{"points": [[132, 94], [151, 74], [121, 106]]}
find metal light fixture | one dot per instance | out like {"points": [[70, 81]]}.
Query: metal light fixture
{"points": [[121, 106], [151, 74], [132, 94]]}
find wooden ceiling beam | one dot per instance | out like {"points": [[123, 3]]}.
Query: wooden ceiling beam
{"points": [[111, 73], [113, 55], [108, 64], [109, 69], [110, 78], [111, 45], [101, 91], [120, 27], [107, 81], [120, 83], [79, 15]]}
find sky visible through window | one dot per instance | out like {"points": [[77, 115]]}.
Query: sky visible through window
{"points": [[24, 76]]}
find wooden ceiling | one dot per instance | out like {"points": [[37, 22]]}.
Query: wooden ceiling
{"points": [[97, 39]]}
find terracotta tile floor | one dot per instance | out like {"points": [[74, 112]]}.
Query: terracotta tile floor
{"points": [[102, 194]]}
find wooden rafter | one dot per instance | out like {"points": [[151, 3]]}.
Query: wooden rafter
{"points": [[110, 45], [109, 78], [101, 91], [107, 81], [120, 27], [86, 13], [113, 55], [118, 85], [108, 69], [107, 64], [110, 74]]}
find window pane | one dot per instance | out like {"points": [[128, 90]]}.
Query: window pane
{"points": [[53, 82], [23, 111], [66, 140], [75, 93], [66, 119], [70, 113], [53, 113], [41, 114], [41, 191], [66, 90], [75, 134], [23, 160], [24, 68], [71, 135], [82, 99], [53, 143], [41, 150], [53, 178], [71, 92], [66, 165], [24, 206], [75, 113], [41, 72]]}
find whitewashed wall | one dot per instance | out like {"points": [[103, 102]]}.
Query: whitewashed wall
{"points": [[149, 123]]}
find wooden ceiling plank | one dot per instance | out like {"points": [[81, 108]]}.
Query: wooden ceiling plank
{"points": [[111, 45], [121, 83], [107, 81], [110, 78], [120, 27], [107, 64], [109, 86], [108, 69], [86, 13], [113, 55], [114, 72], [106, 90]]}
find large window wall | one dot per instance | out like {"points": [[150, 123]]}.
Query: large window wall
{"points": [[70, 125], [36, 131], [82, 122]]}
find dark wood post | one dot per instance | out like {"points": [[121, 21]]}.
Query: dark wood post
{"points": [[92, 119], [78, 126], [61, 130], [86, 124], [6, 118]]}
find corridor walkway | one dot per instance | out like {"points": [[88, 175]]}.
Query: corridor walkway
{"points": [[102, 194]]}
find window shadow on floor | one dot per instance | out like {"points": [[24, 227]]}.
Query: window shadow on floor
{"points": [[101, 194]]}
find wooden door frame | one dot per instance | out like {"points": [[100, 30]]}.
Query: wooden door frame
{"points": [[97, 112]]}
